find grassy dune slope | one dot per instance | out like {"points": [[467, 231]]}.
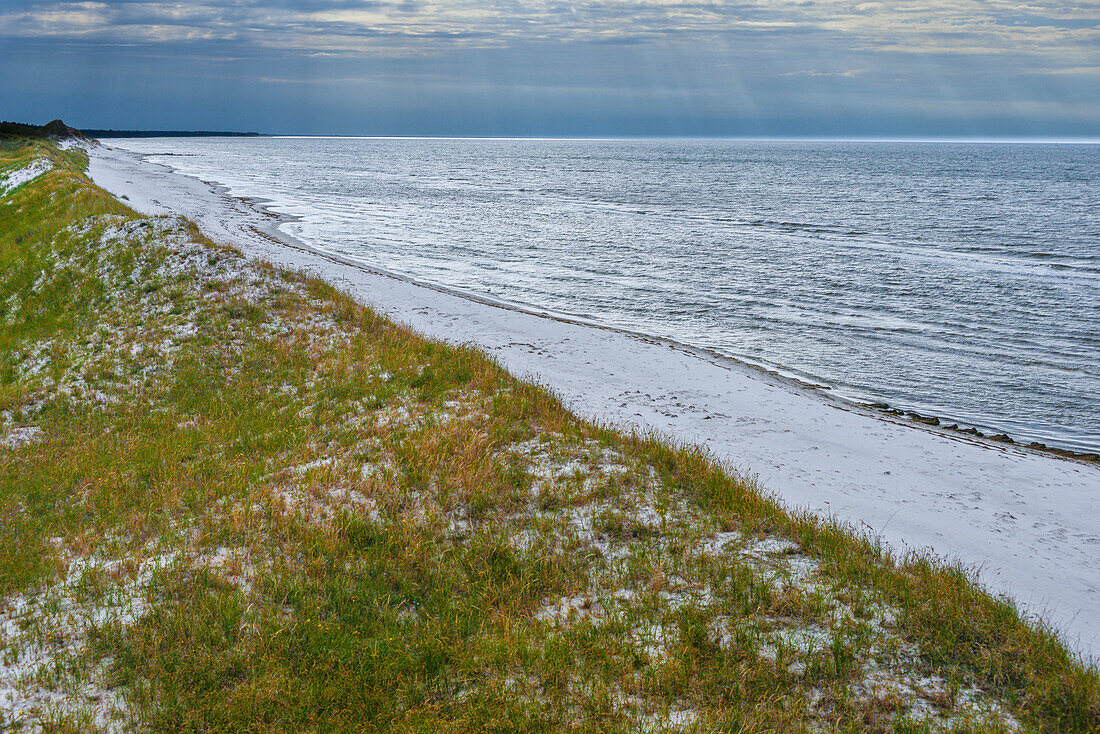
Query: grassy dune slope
{"points": [[232, 499]]}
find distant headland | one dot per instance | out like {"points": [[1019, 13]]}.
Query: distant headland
{"points": [[170, 134], [59, 130]]}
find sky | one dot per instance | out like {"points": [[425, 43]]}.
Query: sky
{"points": [[756, 68]]}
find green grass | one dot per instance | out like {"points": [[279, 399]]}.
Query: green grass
{"points": [[269, 509]]}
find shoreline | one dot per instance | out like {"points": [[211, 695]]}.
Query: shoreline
{"points": [[882, 410], [885, 411], [1026, 519]]}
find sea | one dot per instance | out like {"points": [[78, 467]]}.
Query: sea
{"points": [[957, 280]]}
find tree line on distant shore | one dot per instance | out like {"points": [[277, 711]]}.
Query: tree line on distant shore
{"points": [[59, 130]]}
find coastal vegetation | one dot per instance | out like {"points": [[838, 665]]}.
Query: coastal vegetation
{"points": [[233, 499]]}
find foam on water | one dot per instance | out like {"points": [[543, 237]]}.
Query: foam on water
{"points": [[958, 280]]}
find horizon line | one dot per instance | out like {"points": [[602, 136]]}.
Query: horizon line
{"points": [[1033, 140], [732, 138]]}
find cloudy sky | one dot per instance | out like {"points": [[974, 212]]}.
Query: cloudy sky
{"points": [[816, 68]]}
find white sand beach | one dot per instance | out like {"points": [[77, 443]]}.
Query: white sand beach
{"points": [[1029, 522]]}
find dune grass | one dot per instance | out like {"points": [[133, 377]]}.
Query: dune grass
{"points": [[235, 500]]}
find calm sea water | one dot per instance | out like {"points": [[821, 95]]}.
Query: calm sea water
{"points": [[958, 280]]}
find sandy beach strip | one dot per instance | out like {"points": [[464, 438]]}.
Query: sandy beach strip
{"points": [[1028, 522]]}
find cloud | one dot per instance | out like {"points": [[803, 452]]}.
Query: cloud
{"points": [[847, 73], [548, 59], [372, 26], [1084, 71]]}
